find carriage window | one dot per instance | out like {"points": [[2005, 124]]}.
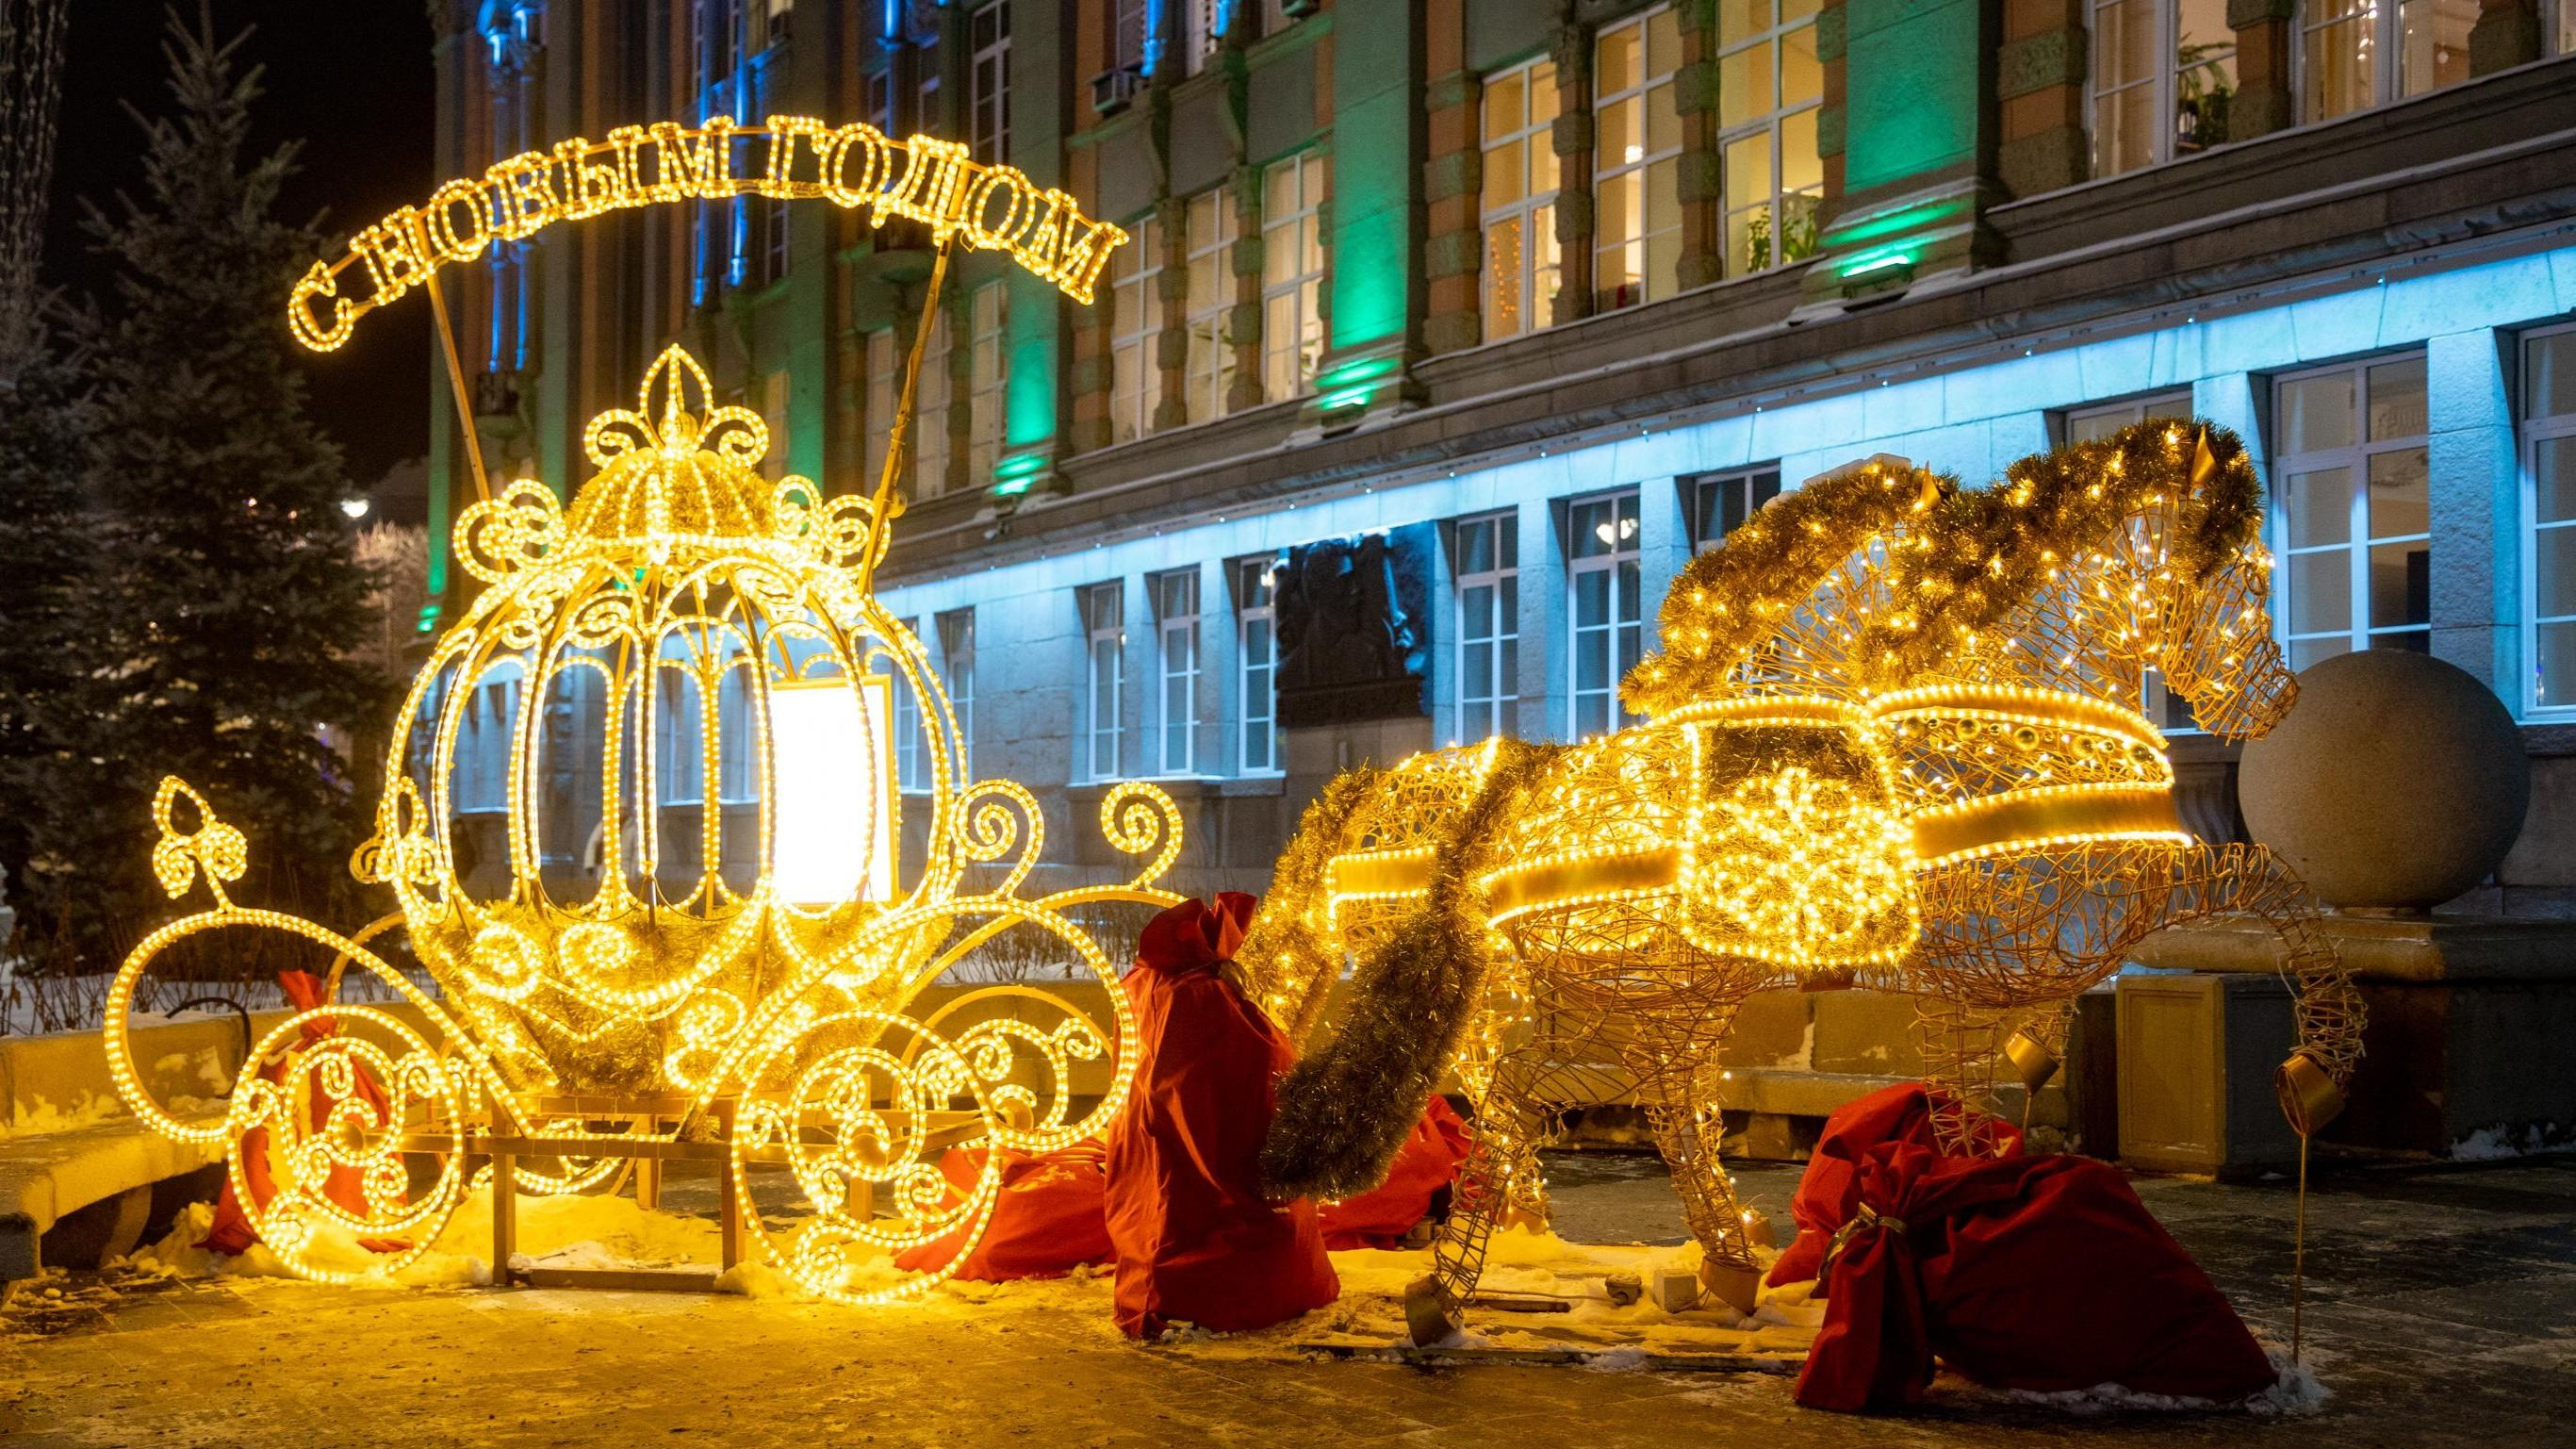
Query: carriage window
{"points": [[1489, 627], [2352, 511], [1720, 502], [1104, 631], [2549, 511], [1256, 652], [1606, 616], [2091, 425]]}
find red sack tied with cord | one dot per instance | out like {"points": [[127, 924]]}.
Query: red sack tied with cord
{"points": [[2042, 1273], [1047, 1217], [1830, 1187], [1196, 1240], [230, 1233]]}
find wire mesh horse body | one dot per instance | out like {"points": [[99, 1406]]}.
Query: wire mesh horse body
{"points": [[1891, 740]]}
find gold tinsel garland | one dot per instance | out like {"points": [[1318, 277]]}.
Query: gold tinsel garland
{"points": [[1289, 953]]}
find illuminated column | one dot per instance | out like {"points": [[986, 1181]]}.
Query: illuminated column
{"points": [[1917, 132], [2039, 83], [1373, 242]]}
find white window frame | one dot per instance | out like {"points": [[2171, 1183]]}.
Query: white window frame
{"points": [[2164, 82], [1131, 47], [1103, 610], [1532, 217], [1625, 622], [2358, 540], [2385, 20], [2537, 428], [1786, 127], [1292, 278], [1208, 376], [2098, 421], [988, 88], [1203, 25], [482, 784], [987, 385], [957, 676], [1133, 351], [1173, 595], [1642, 165], [1488, 604], [1256, 663], [911, 760], [1746, 488]]}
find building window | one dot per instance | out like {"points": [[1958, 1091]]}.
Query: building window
{"points": [[1175, 597], [1256, 653], [2163, 74], [930, 414], [925, 95], [2091, 425], [989, 79], [911, 761], [1720, 502], [957, 676], [1637, 140], [1104, 634], [1292, 276], [1520, 200], [485, 747], [780, 12], [1202, 32], [1489, 625], [880, 100], [2355, 54], [2549, 503], [679, 733], [1135, 321], [1209, 372], [1606, 616], [885, 387], [986, 398], [2354, 514], [1770, 87], [1129, 45]]}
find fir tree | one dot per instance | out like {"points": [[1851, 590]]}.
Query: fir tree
{"points": [[225, 629]]}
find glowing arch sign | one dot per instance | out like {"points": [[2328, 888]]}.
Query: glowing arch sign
{"points": [[937, 183]]}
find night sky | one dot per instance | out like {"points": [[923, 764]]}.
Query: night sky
{"points": [[352, 79]]}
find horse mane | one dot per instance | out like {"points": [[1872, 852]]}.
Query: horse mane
{"points": [[1732, 599], [1991, 549]]}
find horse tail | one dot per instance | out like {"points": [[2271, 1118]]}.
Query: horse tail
{"points": [[1345, 1110]]}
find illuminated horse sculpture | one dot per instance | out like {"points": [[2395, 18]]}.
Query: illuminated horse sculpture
{"points": [[1888, 745]]}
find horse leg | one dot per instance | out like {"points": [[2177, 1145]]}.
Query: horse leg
{"points": [[2250, 880], [1675, 1063], [1959, 1047], [1512, 1122]]}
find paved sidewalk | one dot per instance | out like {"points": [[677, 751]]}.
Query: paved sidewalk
{"points": [[2441, 1312]]}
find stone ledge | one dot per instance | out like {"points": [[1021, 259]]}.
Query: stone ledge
{"points": [[46, 1176], [2385, 948]]}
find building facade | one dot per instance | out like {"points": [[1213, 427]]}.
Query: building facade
{"points": [[1450, 329]]}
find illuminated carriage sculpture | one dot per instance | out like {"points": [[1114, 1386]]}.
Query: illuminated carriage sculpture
{"points": [[1891, 742], [685, 612]]}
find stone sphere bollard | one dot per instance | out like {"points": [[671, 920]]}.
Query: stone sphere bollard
{"points": [[2397, 781]]}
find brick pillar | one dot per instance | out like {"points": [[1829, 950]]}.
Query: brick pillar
{"points": [[1572, 136], [2507, 34], [1452, 185], [1087, 378], [2266, 33], [2039, 81], [1243, 319], [1832, 117], [1700, 181], [1172, 344]]}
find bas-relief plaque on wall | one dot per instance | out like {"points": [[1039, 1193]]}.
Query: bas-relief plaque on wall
{"points": [[1355, 628]]}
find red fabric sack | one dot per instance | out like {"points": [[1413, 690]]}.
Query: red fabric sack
{"points": [[1427, 1162], [1047, 1220], [1196, 1241], [230, 1232], [1829, 1188], [2041, 1273]]}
